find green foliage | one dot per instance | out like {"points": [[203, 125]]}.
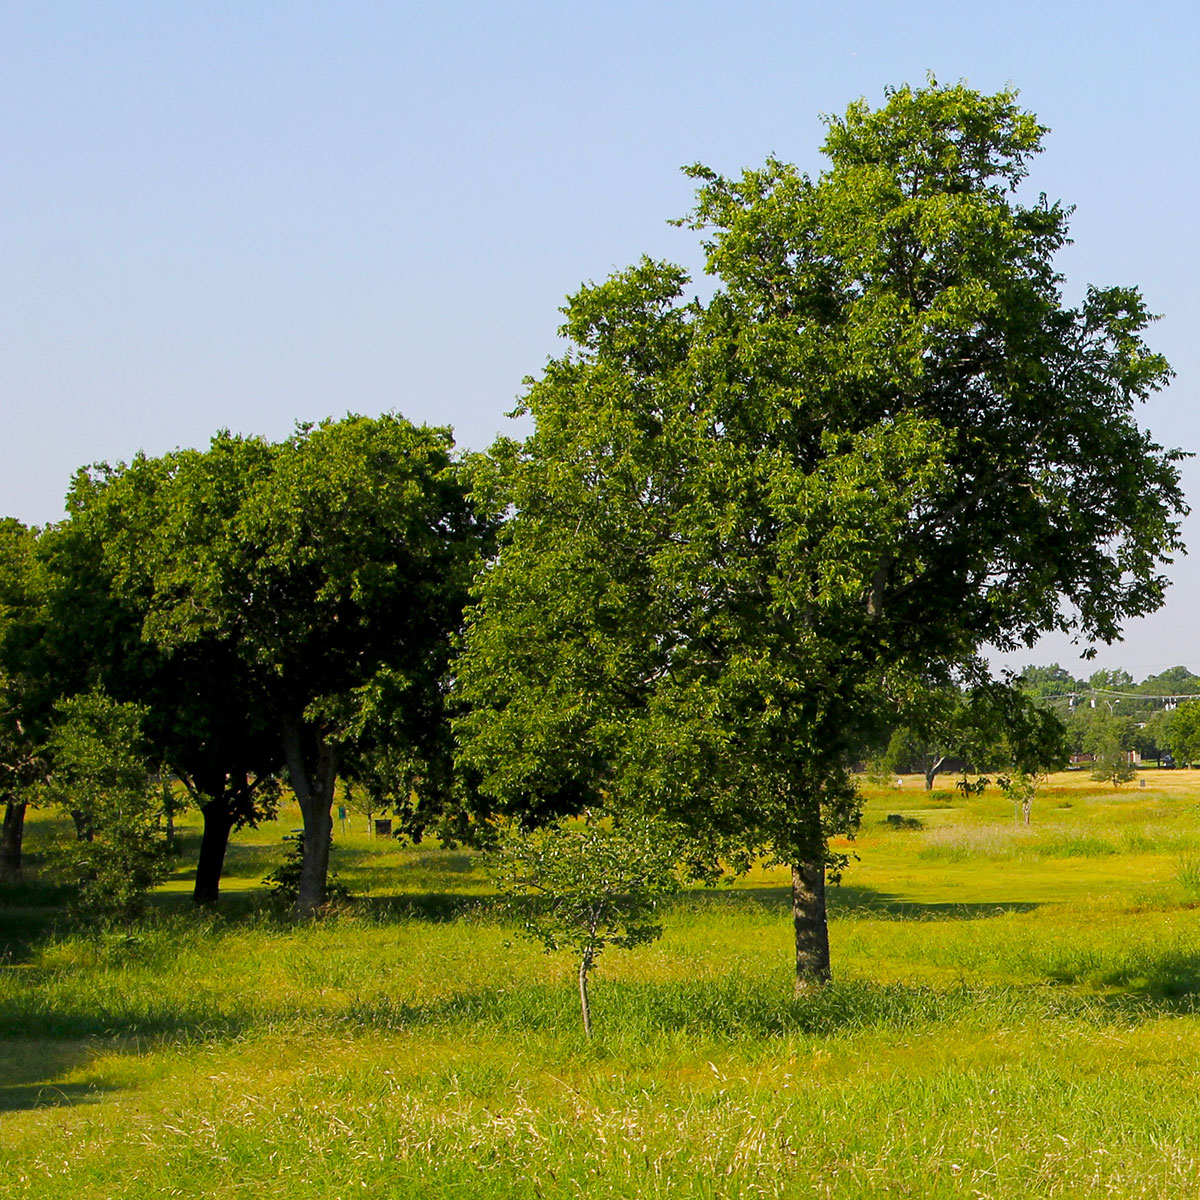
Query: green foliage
{"points": [[1049, 681], [594, 884], [1110, 740], [990, 725], [972, 787], [1183, 732], [24, 680], [100, 772]]}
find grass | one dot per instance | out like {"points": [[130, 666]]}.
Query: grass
{"points": [[1015, 1014]]}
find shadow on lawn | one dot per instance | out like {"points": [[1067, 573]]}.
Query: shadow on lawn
{"points": [[846, 901], [27, 1067]]}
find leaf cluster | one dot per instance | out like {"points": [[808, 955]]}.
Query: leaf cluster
{"points": [[591, 883]]}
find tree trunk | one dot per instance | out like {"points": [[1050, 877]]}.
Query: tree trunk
{"points": [[932, 772], [811, 924], [213, 843], [83, 826], [585, 965], [314, 793], [11, 838]]}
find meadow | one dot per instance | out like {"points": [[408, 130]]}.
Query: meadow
{"points": [[1016, 1013]]}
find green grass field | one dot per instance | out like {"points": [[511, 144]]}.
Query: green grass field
{"points": [[1016, 1014]]}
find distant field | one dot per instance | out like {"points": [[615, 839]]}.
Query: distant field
{"points": [[1016, 1014]]}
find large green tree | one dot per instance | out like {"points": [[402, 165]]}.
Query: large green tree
{"points": [[742, 523], [207, 715], [332, 567]]}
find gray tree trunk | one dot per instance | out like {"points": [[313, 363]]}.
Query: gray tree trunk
{"points": [[585, 965], [11, 839], [931, 774], [811, 924], [313, 786]]}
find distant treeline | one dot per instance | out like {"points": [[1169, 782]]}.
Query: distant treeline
{"points": [[1153, 718]]}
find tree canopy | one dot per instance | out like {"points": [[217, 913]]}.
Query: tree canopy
{"points": [[743, 525], [330, 570]]}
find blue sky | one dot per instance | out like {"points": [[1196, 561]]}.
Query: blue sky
{"points": [[244, 214]]}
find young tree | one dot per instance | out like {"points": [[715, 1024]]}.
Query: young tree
{"points": [[742, 523], [595, 884], [100, 770], [331, 567], [1110, 740]]}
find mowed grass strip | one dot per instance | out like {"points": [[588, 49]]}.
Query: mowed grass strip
{"points": [[1017, 1021]]}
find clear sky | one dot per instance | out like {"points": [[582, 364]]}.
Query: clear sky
{"points": [[244, 214]]}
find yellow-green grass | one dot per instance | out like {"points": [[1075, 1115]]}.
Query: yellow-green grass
{"points": [[1016, 1013]]}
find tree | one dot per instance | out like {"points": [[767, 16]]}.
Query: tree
{"points": [[22, 767], [933, 734], [331, 568], [1174, 681], [1016, 735], [595, 884], [1110, 740], [100, 770], [1183, 732], [742, 525], [1051, 681], [1025, 742], [1150, 738], [22, 686], [205, 713], [991, 725]]}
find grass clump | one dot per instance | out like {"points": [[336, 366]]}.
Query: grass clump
{"points": [[1187, 875]]}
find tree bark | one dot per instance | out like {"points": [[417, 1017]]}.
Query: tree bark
{"points": [[11, 839], [811, 924], [585, 965], [314, 793], [931, 774], [218, 822]]}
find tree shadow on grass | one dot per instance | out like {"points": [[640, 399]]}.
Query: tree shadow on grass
{"points": [[1169, 979], [847, 901], [435, 907], [28, 1067], [443, 907]]}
